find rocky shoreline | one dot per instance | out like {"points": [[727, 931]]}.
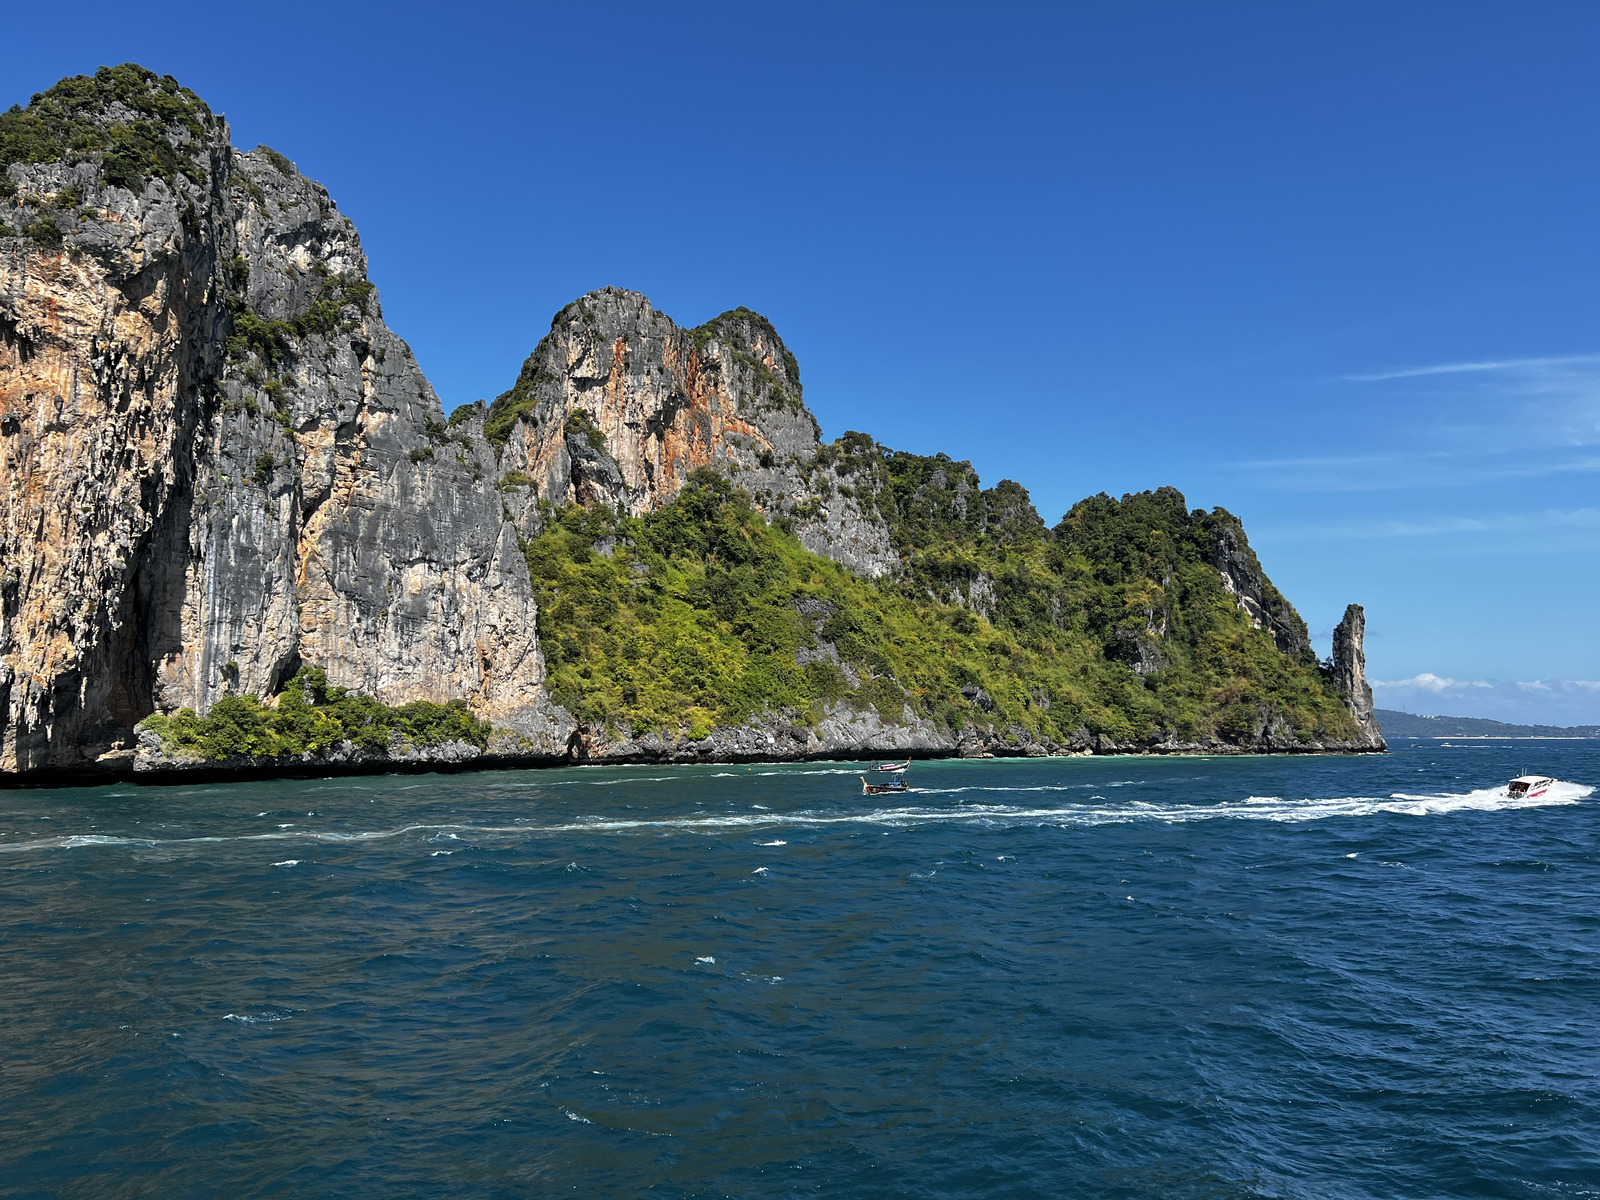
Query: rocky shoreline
{"points": [[361, 764], [840, 737]]}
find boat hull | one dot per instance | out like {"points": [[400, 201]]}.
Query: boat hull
{"points": [[1529, 787], [882, 789]]}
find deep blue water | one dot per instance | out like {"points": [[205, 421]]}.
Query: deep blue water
{"points": [[1094, 977]]}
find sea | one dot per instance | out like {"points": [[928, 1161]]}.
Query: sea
{"points": [[1342, 976]]}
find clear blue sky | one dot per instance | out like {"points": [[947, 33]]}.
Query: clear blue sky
{"points": [[1335, 267]]}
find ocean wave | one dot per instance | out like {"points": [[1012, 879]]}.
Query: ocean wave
{"points": [[94, 839], [1035, 787], [797, 771], [268, 1017], [76, 841]]}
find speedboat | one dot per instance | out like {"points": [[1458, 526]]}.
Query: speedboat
{"points": [[1526, 787]]}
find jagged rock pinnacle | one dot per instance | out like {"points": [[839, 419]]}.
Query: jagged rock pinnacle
{"points": [[1350, 674]]}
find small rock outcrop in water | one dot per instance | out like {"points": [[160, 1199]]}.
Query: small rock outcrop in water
{"points": [[1350, 674], [219, 466]]}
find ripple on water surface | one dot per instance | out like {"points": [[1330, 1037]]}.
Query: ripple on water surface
{"points": [[1367, 976]]}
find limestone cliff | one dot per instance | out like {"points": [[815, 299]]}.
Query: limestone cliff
{"points": [[218, 465], [1243, 579], [218, 461], [1350, 674], [618, 405]]}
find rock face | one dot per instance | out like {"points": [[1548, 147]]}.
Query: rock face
{"points": [[1244, 580], [335, 521], [618, 405], [106, 342], [219, 463], [1350, 674]]}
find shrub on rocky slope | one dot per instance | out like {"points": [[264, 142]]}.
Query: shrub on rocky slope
{"points": [[701, 614]]}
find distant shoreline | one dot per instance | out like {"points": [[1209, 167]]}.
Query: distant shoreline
{"points": [[1492, 737], [1397, 723]]}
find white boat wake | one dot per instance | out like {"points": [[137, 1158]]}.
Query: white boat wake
{"points": [[998, 813]]}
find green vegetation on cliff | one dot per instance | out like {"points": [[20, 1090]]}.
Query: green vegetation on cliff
{"points": [[311, 718], [71, 123], [702, 614], [272, 340], [769, 386], [521, 398]]}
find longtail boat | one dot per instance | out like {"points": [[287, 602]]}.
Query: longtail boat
{"points": [[879, 789]]}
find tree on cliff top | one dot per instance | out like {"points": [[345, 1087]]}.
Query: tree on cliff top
{"points": [[134, 124]]}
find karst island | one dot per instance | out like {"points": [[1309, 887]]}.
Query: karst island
{"points": [[240, 532]]}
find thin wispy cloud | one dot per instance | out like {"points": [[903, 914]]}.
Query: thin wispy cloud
{"points": [[1429, 682], [1493, 404], [1424, 469], [1341, 460], [1532, 701], [1464, 368], [1582, 518], [1518, 524], [1454, 425]]}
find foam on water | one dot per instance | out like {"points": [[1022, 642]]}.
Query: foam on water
{"points": [[1256, 808], [91, 839], [1269, 808]]}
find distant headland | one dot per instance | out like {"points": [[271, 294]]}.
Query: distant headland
{"points": [[1410, 725]]}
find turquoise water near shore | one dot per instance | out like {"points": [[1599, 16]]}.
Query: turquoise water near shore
{"points": [[1130, 977]]}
